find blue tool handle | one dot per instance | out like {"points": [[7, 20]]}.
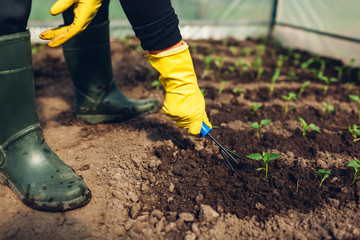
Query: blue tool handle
{"points": [[204, 129]]}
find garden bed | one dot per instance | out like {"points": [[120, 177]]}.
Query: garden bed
{"points": [[152, 180]]}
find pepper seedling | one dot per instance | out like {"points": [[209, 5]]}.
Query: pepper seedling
{"points": [[303, 87], [305, 65], [356, 165], [356, 98], [222, 86], [306, 126], [355, 132], [238, 90], [340, 70], [297, 57], [207, 69], [257, 126], [324, 174], [266, 157], [156, 84], [327, 109], [254, 107], [219, 62], [326, 80], [247, 51], [273, 80], [290, 97]]}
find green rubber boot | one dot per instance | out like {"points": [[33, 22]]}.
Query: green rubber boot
{"points": [[27, 164], [98, 99]]}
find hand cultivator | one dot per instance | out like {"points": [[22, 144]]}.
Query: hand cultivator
{"points": [[226, 153]]}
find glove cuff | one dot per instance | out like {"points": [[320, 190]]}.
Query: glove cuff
{"points": [[170, 52]]}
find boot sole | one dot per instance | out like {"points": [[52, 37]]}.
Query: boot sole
{"points": [[47, 206]]}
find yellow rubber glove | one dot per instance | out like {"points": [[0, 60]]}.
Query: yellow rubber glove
{"points": [[84, 12], [184, 102]]}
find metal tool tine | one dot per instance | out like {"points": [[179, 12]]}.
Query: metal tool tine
{"points": [[223, 150], [226, 159]]}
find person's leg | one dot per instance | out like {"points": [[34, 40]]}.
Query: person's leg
{"points": [[156, 25], [27, 164], [88, 58]]}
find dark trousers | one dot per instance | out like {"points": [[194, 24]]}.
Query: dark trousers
{"points": [[153, 21]]}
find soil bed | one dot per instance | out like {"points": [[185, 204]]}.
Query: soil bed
{"points": [[151, 180]]}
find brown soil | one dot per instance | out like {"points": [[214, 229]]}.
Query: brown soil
{"points": [[151, 180]]}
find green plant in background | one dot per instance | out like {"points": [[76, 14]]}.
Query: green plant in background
{"points": [[350, 86], [207, 69], [37, 48], [259, 73], [239, 65], [327, 109], [280, 61], [202, 90], [222, 86], [322, 65], [290, 97], [340, 70], [266, 157], [305, 65], [306, 126], [292, 75], [219, 63], [273, 80], [238, 91], [356, 165], [303, 86], [258, 126], [355, 132], [352, 61], [234, 50], [356, 98], [247, 51], [326, 80], [260, 50], [156, 84], [297, 57], [257, 63], [254, 107], [324, 174]]}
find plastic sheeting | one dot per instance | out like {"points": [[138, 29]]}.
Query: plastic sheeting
{"points": [[218, 19], [330, 16]]}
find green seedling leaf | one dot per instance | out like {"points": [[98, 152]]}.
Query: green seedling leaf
{"points": [[222, 86], [323, 174], [266, 157], [238, 90], [328, 109], [356, 98], [314, 127], [156, 84], [290, 97], [356, 165], [306, 126], [303, 87], [257, 126], [254, 107], [256, 156], [355, 132]]}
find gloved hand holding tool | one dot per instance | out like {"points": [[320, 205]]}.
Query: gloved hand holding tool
{"points": [[84, 12], [184, 102]]}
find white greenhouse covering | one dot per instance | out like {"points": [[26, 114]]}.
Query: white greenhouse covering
{"points": [[326, 27]]}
